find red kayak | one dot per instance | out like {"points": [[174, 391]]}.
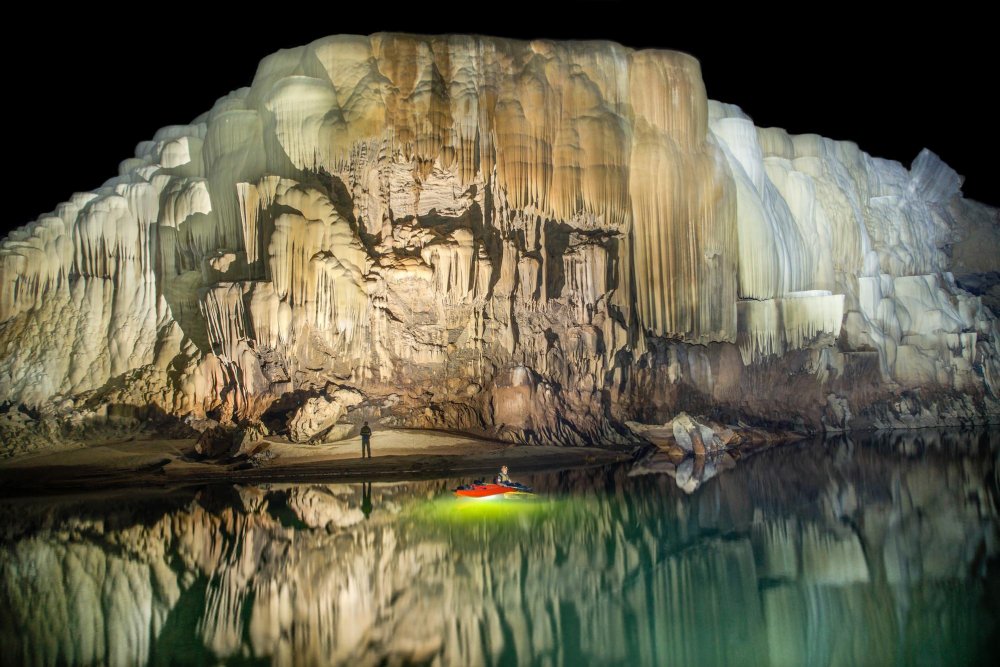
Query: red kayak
{"points": [[487, 490]]}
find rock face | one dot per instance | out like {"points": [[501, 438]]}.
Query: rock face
{"points": [[532, 240]]}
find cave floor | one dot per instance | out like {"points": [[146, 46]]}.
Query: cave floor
{"points": [[396, 455]]}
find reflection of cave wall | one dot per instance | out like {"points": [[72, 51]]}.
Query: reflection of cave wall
{"points": [[425, 218], [829, 555]]}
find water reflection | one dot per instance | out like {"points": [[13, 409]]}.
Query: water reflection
{"points": [[835, 553], [366, 499]]}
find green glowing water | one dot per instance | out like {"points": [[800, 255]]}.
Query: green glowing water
{"points": [[848, 552]]}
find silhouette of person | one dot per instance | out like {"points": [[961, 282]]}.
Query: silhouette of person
{"points": [[366, 441], [366, 499]]}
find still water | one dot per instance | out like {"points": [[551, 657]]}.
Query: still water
{"points": [[880, 551]]}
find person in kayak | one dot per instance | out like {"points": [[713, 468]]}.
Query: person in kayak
{"points": [[499, 485]]}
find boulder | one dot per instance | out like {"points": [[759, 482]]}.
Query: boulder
{"points": [[686, 434], [214, 441], [338, 432], [248, 440], [690, 435], [319, 413], [230, 441], [262, 457]]}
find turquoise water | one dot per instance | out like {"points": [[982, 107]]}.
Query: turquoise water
{"points": [[880, 551]]}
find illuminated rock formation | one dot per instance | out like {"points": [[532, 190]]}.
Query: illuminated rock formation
{"points": [[531, 240]]}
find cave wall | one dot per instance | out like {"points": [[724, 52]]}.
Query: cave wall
{"points": [[531, 240]]}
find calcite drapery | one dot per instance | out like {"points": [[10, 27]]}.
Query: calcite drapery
{"points": [[420, 217]]}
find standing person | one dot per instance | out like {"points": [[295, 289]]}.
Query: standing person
{"points": [[366, 441]]}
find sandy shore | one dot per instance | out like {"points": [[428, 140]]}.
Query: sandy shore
{"points": [[396, 455]]}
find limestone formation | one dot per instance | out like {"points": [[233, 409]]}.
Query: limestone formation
{"points": [[531, 240]]}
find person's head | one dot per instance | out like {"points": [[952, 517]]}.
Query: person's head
{"points": [[503, 469], [366, 423]]}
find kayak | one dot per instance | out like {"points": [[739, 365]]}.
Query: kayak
{"points": [[476, 490]]}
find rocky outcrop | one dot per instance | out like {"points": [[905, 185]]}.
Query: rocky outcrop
{"points": [[536, 241]]}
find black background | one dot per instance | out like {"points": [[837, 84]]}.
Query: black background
{"points": [[84, 86]]}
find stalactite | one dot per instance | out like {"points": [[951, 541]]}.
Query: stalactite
{"points": [[254, 202], [225, 313], [452, 262], [775, 326], [683, 206], [586, 269]]}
